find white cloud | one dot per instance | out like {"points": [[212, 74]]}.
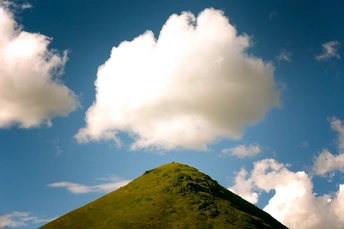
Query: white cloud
{"points": [[76, 188], [31, 92], [284, 55], [242, 151], [243, 187], [191, 85], [330, 50], [17, 219], [294, 203], [326, 162]]}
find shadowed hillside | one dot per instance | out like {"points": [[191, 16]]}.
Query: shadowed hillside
{"points": [[171, 196]]}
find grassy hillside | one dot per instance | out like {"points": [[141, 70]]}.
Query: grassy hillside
{"points": [[171, 196]]}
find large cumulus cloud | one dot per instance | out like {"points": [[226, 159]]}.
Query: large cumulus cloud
{"points": [[191, 85], [31, 92], [294, 202]]}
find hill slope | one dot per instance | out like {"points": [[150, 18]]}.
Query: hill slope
{"points": [[171, 196]]}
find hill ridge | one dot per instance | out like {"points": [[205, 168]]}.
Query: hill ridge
{"points": [[173, 195]]}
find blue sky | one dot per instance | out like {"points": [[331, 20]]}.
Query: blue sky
{"points": [[249, 92]]}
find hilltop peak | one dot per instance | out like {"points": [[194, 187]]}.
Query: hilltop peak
{"points": [[173, 195]]}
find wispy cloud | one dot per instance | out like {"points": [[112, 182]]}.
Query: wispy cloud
{"points": [[338, 126], [284, 55], [15, 5], [303, 145], [242, 151], [273, 14], [77, 188], [26, 6], [330, 50], [55, 142], [17, 219]]}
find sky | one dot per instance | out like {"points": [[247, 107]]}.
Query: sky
{"points": [[94, 93]]}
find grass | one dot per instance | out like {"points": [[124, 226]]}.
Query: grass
{"points": [[171, 196]]}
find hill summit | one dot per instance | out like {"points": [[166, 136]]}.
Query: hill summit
{"points": [[171, 196]]}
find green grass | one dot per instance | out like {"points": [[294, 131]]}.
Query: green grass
{"points": [[171, 196]]}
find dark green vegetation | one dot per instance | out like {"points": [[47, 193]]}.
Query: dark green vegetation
{"points": [[170, 196]]}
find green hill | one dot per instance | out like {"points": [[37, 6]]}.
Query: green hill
{"points": [[171, 196]]}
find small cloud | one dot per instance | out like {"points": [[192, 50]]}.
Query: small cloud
{"points": [[338, 125], [76, 188], [17, 219], [242, 151], [273, 14], [58, 150], [303, 145], [330, 50], [284, 55], [326, 163], [26, 6]]}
